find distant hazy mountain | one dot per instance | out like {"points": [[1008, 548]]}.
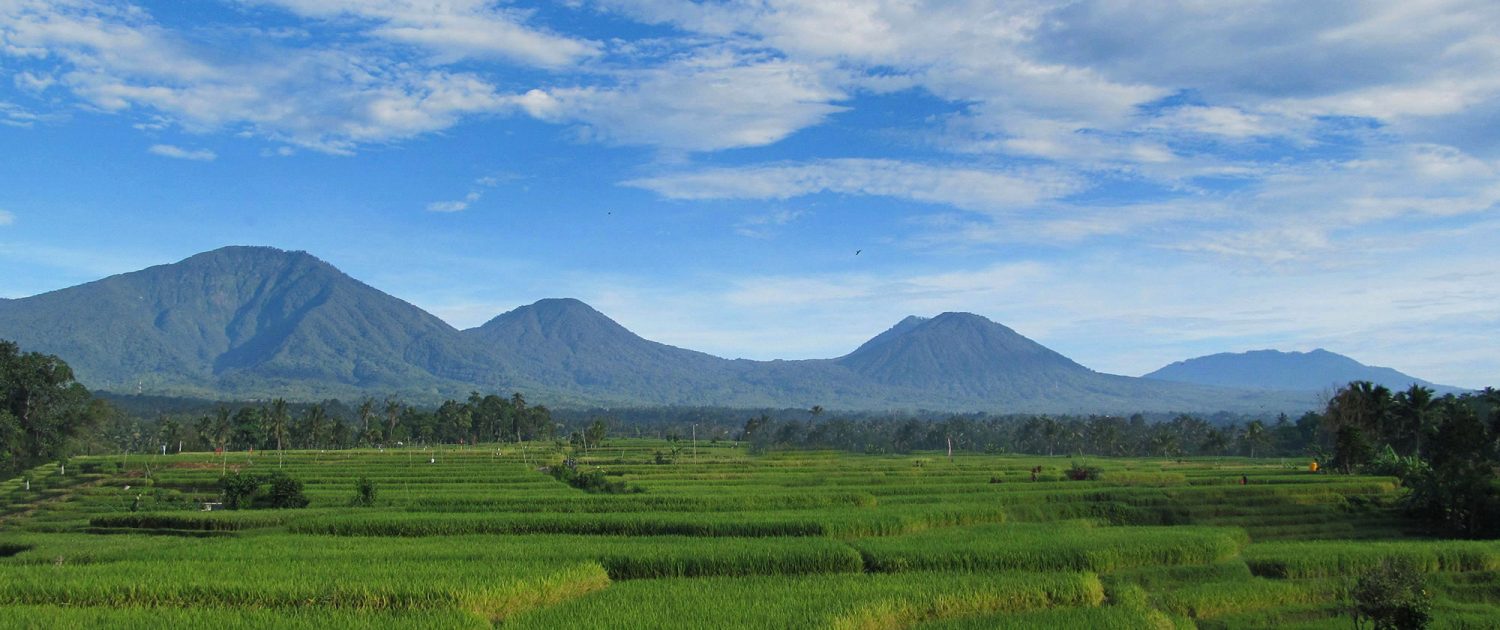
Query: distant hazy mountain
{"points": [[1271, 369], [260, 322]]}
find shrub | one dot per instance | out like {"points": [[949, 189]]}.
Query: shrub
{"points": [[1081, 472], [593, 481], [1392, 597], [286, 492], [239, 489], [1388, 464], [243, 490], [364, 492]]}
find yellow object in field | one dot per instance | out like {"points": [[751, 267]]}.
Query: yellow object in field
{"points": [[1313, 467]]}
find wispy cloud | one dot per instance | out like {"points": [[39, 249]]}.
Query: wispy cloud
{"points": [[6, 218], [13, 115], [454, 29], [457, 205], [176, 152], [969, 188], [707, 100], [765, 225]]}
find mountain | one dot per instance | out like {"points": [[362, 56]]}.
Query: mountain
{"points": [[965, 357], [565, 345], [261, 322], [959, 354], [1319, 370], [242, 320]]}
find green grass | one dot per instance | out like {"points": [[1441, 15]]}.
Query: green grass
{"points": [[465, 537]]}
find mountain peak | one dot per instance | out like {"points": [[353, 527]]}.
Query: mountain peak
{"points": [[963, 353], [551, 316]]}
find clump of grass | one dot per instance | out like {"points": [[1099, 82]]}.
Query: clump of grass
{"points": [[1050, 547], [1343, 558]]}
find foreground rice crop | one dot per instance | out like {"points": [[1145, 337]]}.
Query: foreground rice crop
{"points": [[478, 536]]}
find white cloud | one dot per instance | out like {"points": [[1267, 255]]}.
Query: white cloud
{"points": [[706, 101], [457, 205], [975, 189], [6, 218], [13, 115], [327, 99], [167, 150], [765, 225], [33, 83], [454, 29]]}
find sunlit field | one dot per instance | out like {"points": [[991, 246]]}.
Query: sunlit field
{"points": [[471, 537]]}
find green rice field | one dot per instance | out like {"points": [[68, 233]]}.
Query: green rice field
{"points": [[482, 536]]}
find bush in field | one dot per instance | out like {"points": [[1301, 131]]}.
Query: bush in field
{"points": [[1393, 597], [1080, 472], [592, 481], [239, 489], [286, 492], [243, 490], [364, 493]]}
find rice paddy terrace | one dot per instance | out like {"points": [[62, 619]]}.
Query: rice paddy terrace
{"points": [[475, 537]]}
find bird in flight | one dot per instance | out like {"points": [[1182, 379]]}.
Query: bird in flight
{"points": [[857, 251]]}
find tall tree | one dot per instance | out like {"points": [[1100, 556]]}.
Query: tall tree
{"points": [[1256, 436], [393, 408], [42, 407], [1411, 419], [278, 420], [1358, 417], [315, 427], [366, 413]]}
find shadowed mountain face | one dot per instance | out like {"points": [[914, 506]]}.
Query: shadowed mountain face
{"points": [[260, 322], [1271, 369]]}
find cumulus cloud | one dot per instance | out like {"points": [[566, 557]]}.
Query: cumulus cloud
{"points": [[167, 150], [115, 58]]}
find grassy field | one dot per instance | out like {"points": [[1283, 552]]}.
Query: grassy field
{"points": [[479, 536]]}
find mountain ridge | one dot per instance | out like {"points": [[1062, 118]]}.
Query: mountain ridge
{"points": [[260, 321], [1315, 370]]}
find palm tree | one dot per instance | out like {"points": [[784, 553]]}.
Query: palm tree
{"points": [[366, 411], [278, 419], [392, 414], [316, 424], [1411, 417], [1255, 435], [222, 430]]}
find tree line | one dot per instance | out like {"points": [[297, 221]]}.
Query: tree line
{"points": [[333, 424]]}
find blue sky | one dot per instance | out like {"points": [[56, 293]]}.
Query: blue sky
{"points": [[1129, 183]]}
